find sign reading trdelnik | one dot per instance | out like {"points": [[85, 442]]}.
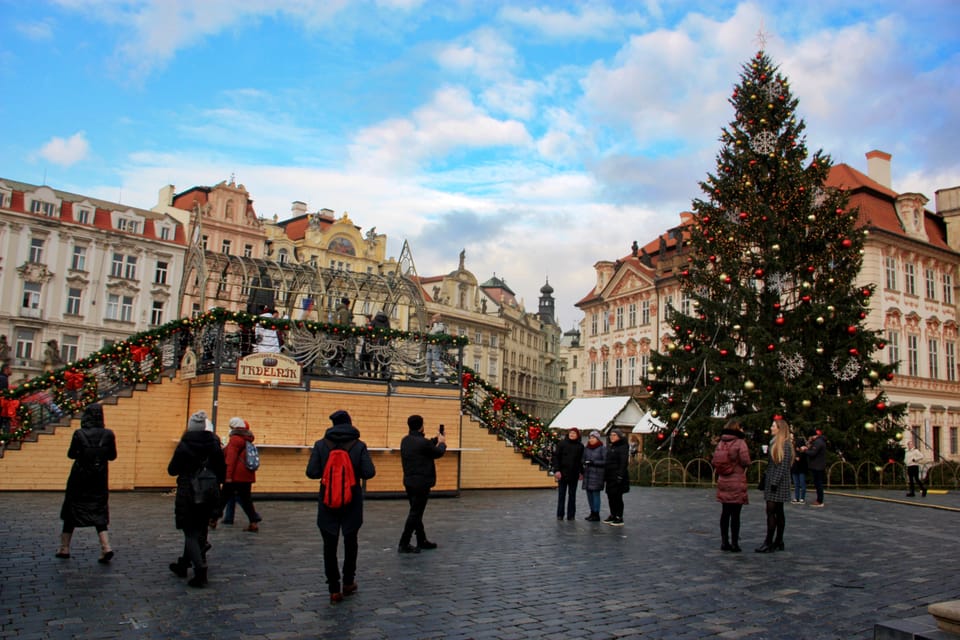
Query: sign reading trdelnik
{"points": [[269, 368]]}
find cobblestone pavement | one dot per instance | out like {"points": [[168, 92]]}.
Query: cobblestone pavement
{"points": [[505, 569]]}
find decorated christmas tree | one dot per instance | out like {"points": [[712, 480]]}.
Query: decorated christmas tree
{"points": [[772, 321]]}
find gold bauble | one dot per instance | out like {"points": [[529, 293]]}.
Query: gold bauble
{"points": [[869, 426], [675, 416], [748, 385]]}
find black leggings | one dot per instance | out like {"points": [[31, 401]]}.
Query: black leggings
{"points": [[730, 522], [776, 522]]}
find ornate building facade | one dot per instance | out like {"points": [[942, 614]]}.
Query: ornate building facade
{"points": [[82, 271], [513, 349]]}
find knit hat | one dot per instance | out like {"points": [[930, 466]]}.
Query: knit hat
{"points": [[574, 430], [198, 421], [596, 434], [238, 423], [415, 422], [341, 417], [618, 432]]}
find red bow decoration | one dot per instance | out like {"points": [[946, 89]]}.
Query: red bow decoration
{"points": [[498, 404], [74, 379], [467, 378], [139, 353], [533, 432], [8, 408]]}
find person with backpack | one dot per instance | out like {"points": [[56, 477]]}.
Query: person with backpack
{"points": [[730, 461], [200, 468], [242, 462], [417, 455], [340, 460], [85, 503]]}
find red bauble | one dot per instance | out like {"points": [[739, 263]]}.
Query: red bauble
{"points": [[847, 243], [805, 298], [771, 347], [853, 352], [779, 321], [743, 215], [852, 330], [758, 273], [881, 406], [724, 352]]}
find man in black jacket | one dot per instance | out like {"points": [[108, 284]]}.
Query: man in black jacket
{"points": [[419, 474]]}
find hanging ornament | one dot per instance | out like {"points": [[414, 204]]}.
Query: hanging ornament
{"points": [[845, 371], [764, 142], [869, 426], [748, 385], [791, 366], [805, 403]]}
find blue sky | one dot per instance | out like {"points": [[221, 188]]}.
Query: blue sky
{"points": [[539, 136]]}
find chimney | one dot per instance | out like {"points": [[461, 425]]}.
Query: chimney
{"points": [[298, 208], [878, 167], [948, 206], [165, 196]]}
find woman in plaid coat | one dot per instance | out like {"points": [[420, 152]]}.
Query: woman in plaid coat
{"points": [[777, 489]]}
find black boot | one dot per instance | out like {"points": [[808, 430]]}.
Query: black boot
{"points": [[180, 567], [199, 578]]}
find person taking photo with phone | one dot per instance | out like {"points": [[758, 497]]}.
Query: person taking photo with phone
{"points": [[418, 455]]}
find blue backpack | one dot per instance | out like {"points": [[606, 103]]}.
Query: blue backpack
{"points": [[251, 457]]}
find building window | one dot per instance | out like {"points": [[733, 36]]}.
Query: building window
{"points": [[166, 233], [593, 328], [84, 216], [605, 374], [686, 305], [909, 278], [593, 375], [890, 268], [23, 347], [950, 350], [947, 288], [494, 341], [31, 295], [667, 307], [203, 242], [46, 208], [116, 265], [913, 355], [632, 370], [933, 351], [931, 280], [953, 441], [575, 360], [282, 256], [893, 348], [632, 314], [36, 249], [645, 312], [225, 247], [70, 348], [119, 308], [128, 225], [79, 260], [619, 318], [160, 274], [131, 268], [248, 251], [123, 266], [492, 371], [618, 372], [73, 301], [644, 364], [156, 314], [606, 322]]}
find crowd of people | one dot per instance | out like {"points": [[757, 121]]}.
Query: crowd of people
{"points": [[210, 477]]}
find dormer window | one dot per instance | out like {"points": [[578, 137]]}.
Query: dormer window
{"points": [[5, 197], [83, 215], [165, 232], [128, 225], [48, 209]]}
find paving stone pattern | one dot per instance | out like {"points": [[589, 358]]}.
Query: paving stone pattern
{"points": [[506, 569]]}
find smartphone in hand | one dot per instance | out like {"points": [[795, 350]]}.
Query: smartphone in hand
{"points": [[441, 429]]}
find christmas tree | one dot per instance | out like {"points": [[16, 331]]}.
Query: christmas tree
{"points": [[772, 322]]}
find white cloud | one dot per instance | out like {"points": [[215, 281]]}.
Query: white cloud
{"points": [[66, 151], [591, 21], [448, 122], [39, 31]]}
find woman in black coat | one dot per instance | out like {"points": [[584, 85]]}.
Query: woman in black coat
{"points": [[86, 501], [197, 448], [616, 477]]}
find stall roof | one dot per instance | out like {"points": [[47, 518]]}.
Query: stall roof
{"points": [[601, 414]]}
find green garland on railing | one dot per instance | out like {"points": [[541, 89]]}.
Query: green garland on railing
{"points": [[529, 437], [72, 393]]}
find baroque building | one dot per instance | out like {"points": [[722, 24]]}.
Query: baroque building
{"points": [[911, 254], [82, 271], [513, 349]]}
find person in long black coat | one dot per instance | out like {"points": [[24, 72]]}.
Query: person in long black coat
{"points": [[616, 477], [86, 501], [197, 447], [349, 518]]}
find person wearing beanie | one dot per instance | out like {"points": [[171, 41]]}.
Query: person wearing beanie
{"points": [[418, 455], [197, 449], [616, 477], [346, 519], [594, 457], [85, 503], [567, 471], [239, 480]]}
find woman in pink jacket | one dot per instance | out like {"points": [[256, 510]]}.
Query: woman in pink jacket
{"points": [[730, 461]]}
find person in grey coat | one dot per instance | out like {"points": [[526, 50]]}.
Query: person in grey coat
{"points": [[777, 484], [594, 458], [348, 518]]}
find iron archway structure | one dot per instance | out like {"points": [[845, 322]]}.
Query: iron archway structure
{"points": [[301, 290]]}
